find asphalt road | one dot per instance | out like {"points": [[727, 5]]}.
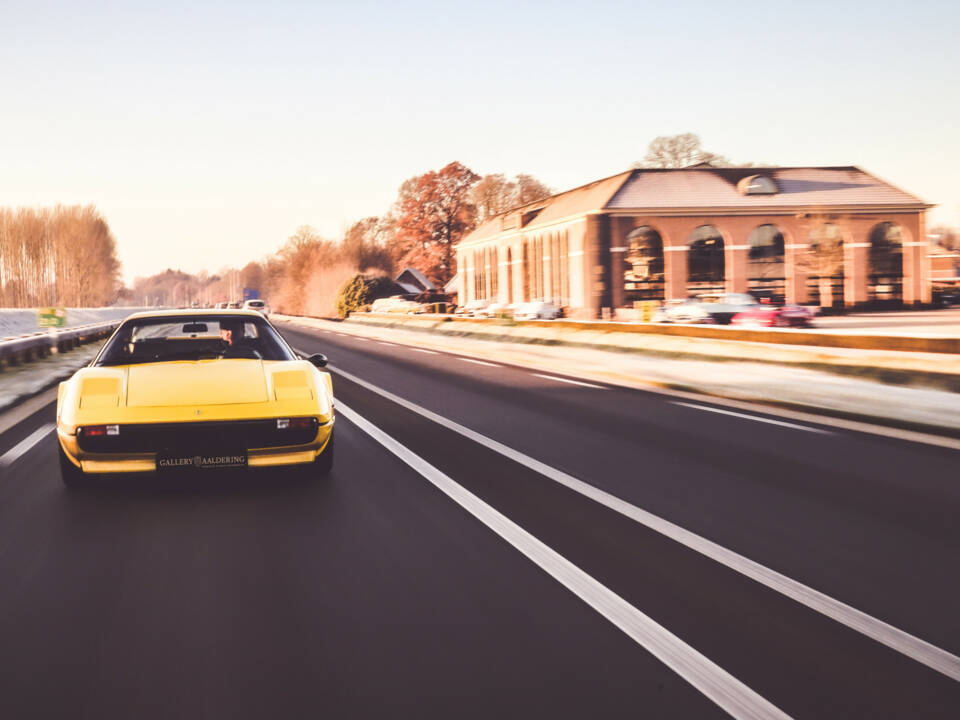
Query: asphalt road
{"points": [[431, 575]]}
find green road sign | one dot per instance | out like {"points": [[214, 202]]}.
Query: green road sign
{"points": [[51, 317]]}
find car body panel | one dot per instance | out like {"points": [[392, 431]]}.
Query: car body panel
{"points": [[775, 316]]}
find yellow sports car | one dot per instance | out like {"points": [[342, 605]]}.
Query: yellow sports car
{"points": [[195, 389]]}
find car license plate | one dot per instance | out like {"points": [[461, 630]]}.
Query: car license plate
{"points": [[201, 461]]}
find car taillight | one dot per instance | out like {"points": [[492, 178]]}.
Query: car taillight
{"points": [[295, 423], [100, 430]]}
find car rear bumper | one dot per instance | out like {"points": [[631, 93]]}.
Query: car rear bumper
{"points": [[139, 462]]}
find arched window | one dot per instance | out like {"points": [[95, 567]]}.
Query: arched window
{"points": [[886, 250], [705, 262], [509, 276], [565, 269], [555, 268], [644, 255], [765, 257], [527, 270], [643, 266], [538, 269], [475, 275]]}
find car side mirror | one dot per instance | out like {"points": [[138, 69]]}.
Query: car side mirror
{"points": [[318, 360]]}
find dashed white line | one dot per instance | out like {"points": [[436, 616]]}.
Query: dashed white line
{"points": [[568, 380], [857, 620], [14, 453], [752, 417], [479, 362], [381, 342], [713, 681], [424, 350]]}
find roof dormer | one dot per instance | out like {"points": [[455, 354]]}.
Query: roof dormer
{"points": [[757, 185]]}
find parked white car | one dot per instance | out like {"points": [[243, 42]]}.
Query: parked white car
{"points": [[537, 310], [474, 308], [495, 310], [394, 304]]}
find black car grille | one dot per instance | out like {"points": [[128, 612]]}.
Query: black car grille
{"points": [[203, 436]]}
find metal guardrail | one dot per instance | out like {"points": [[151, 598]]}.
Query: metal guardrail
{"points": [[25, 348]]}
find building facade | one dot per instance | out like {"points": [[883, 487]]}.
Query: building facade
{"points": [[834, 236]]}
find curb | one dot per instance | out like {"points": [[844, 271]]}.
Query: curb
{"points": [[889, 376]]}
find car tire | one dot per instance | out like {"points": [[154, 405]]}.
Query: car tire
{"points": [[322, 466], [70, 474]]}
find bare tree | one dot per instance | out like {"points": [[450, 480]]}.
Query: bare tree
{"points": [[366, 245], [529, 189], [495, 194], [680, 151], [946, 236], [824, 258], [61, 255]]}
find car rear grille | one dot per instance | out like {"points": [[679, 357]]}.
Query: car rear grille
{"points": [[205, 436]]}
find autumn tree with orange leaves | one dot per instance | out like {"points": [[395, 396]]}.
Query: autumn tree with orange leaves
{"points": [[434, 210]]}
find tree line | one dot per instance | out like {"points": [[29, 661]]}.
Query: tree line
{"points": [[431, 213], [63, 256]]}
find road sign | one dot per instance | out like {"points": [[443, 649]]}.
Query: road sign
{"points": [[250, 294], [51, 317]]}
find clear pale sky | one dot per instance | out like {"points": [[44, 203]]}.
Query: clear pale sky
{"points": [[207, 132]]}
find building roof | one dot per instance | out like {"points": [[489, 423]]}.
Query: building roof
{"points": [[796, 187], [413, 281], [586, 198], [716, 189]]}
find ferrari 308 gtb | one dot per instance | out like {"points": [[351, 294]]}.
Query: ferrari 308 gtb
{"points": [[183, 390]]}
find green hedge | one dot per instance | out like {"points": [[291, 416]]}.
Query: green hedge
{"points": [[361, 290]]}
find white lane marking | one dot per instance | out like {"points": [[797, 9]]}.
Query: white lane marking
{"points": [[568, 380], [752, 417], [894, 638], [713, 681], [424, 350], [14, 453], [381, 342], [478, 362], [21, 412]]}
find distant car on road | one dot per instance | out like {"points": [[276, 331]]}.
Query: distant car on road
{"points": [[775, 316], [710, 308], [537, 310], [195, 389], [235, 305], [259, 305], [220, 306]]}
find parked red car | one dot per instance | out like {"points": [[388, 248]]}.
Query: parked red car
{"points": [[775, 316]]}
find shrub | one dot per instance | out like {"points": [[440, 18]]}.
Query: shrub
{"points": [[361, 290]]}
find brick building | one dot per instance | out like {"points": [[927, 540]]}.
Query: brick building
{"points": [[826, 235]]}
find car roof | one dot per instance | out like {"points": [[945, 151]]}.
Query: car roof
{"points": [[193, 312]]}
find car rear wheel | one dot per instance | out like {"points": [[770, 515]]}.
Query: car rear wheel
{"points": [[70, 474], [322, 466]]}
